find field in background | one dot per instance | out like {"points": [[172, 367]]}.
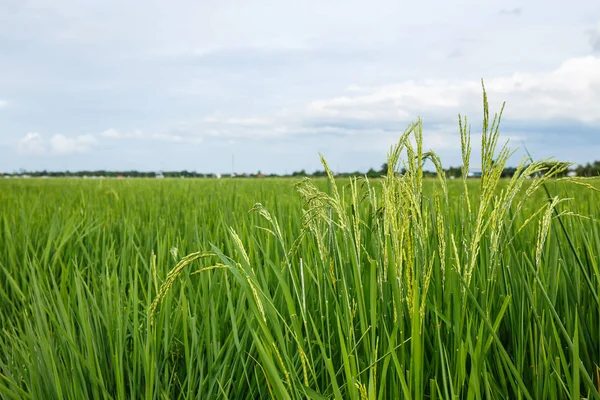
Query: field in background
{"points": [[81, 263]]}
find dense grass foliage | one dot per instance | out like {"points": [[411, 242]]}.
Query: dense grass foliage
{"points": [[82, 261], [393, 288]]}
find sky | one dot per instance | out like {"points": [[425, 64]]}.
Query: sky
{"points": [[211, 86]]}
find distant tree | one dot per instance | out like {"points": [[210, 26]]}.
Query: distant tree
{"points": [[588, 169], [508, 172], [299, 173], [371, 173], [384, 169], [455, 172]]}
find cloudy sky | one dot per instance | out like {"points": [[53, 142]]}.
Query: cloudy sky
{"points": [[193, 84]]}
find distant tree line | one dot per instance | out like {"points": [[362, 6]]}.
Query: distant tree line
{"points": [[109, 174], [587, 170]]}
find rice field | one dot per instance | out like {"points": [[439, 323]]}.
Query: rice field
{"points": [[398, 287]]}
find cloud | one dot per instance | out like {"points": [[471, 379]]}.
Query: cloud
{"points": [[165, 137], [115, 134], [63, 145], [3, 103], [225, 128], [373, 117], [512, 12], [569, 92], [563, 97], [31, 144], [238, 121], [168, 137]]}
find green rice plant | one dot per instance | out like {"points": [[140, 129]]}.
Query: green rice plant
{"points": [[398, 287], [372, 296]]}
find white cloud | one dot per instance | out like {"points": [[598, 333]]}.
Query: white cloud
{"points": [[115, 134], [3, 103], [226, 128], [159, 137], [243, 121], [515, 12], [571, 91], [32, 144], [61, 144], [164, 137], [374, 117]]}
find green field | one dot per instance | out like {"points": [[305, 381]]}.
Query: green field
{"points": [[397, 287]]}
